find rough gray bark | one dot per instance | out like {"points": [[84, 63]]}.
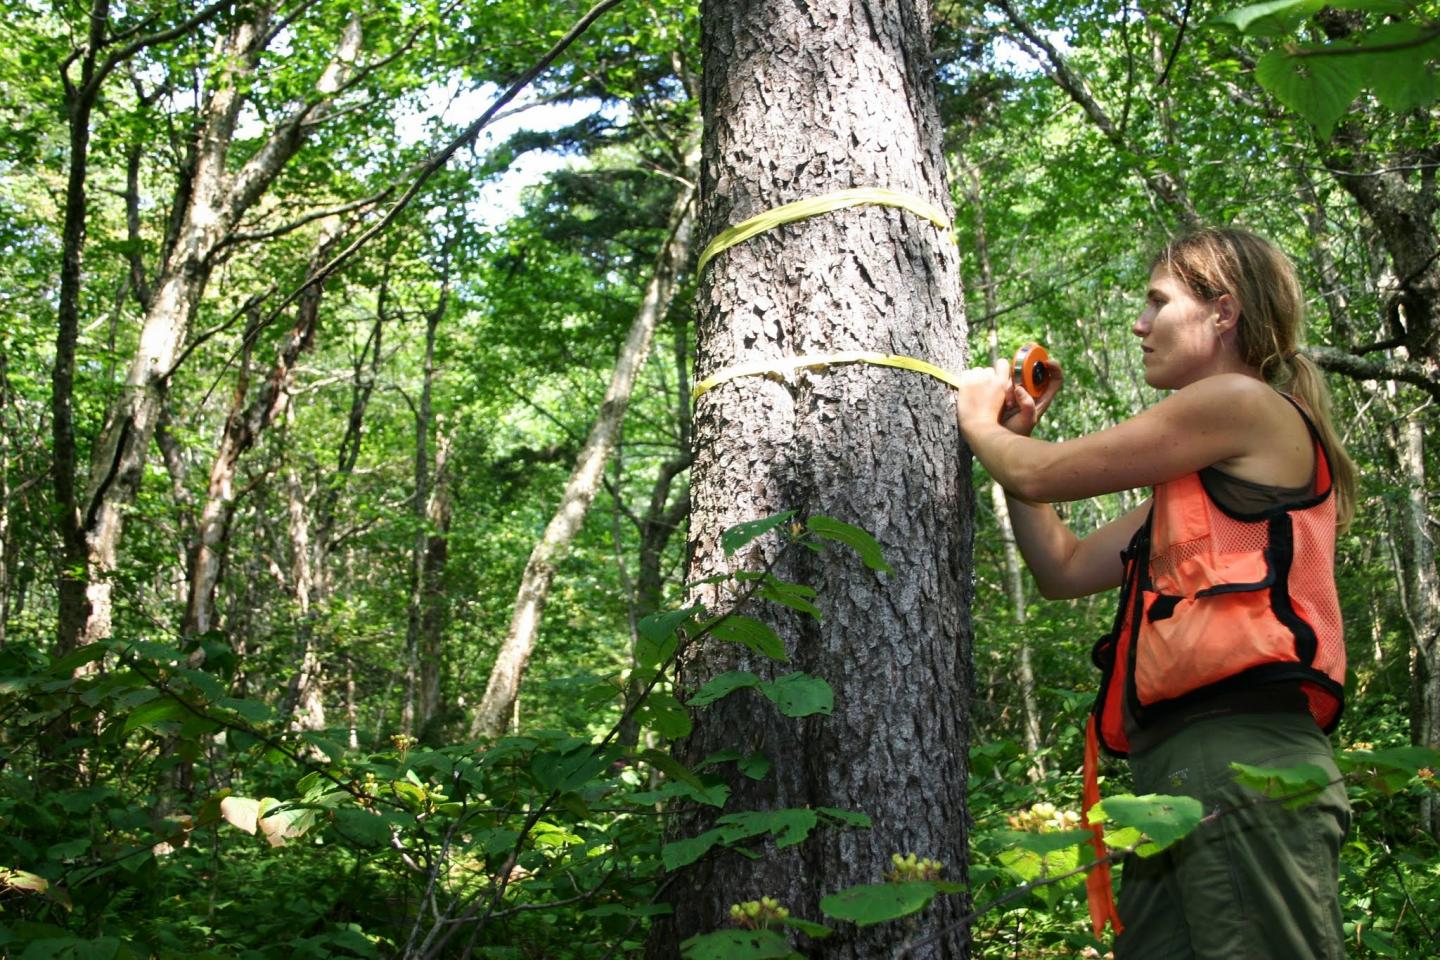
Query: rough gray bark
{"points": [[496, 709], [801, 99]]}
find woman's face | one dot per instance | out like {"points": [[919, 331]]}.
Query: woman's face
{"points": [[1181, 336]]}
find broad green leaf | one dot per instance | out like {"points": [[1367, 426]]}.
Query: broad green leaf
{"points": [[792, 595], [755, 766], [252, 710], [69, 663], [366, 827], [680, 853], [567, 770], [853, 537], [800, 695], [751, 633], [157, 711], [816, 931], [742, 533], [664, 714], [1297, 785], [878, 902], [789, 826], [738, 945], [1268, 19], [657, 641], [722, 686], [850, 818], [669, 766], [1163, 819], [1320, 89], [1404, 79]]}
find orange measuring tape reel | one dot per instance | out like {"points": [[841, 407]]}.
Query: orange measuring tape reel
{"points": [[1031, 374]]}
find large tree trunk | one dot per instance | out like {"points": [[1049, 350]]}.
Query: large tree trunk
{"points": [[802, 99], [494, 712]]}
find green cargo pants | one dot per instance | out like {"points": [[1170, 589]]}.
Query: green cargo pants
{"points": [[1257, 882]]}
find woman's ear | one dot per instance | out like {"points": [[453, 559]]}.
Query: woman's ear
{"points": [[1227, 313]]}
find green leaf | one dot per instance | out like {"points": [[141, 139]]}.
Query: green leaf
{"points": [[252, 710], [155, 712], [816, 931], [680, 853], [792, 595], [1405, 79], [800, 695], [567, 770], [850, 818], [672, 768], [751, 633], [742, 533], [853, 537], [1268, 19], [69, 663], [737, 945], [1320, 89], [365, 827], [755, 766], [657, 641], [1161, 818], [1297, 785], [664, 714], [722, 686], [788, 826], [878, 902]]}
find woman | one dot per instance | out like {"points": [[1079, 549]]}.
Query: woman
{"points": [[1227, 646]]}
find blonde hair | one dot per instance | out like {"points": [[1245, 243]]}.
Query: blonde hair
{"points": [[1212, 262]]}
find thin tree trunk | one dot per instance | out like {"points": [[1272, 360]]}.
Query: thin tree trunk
{"points": [[801, 100], [303, 696], [433, 606], [494, 712], [1422, 598], [248, 418], [218, 199], [303, 704], [413, 716], [1014, 573]]}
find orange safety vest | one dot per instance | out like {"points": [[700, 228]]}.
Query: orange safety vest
{"points": [[1214, 601]]}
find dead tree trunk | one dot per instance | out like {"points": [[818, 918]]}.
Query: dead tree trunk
{"points": [[493, 714], [800, 100]]}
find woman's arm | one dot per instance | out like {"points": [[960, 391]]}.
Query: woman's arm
{"points": [[1064, 565], [1213, 421]]}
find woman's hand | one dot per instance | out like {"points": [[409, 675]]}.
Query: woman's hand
{"points": [[988, 395]]}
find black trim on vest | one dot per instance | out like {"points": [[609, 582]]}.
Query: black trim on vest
{"points": [[1282, 550]]}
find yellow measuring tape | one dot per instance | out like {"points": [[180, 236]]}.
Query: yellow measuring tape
{"points": [[784, 366], [814, 206], [801, 210]]}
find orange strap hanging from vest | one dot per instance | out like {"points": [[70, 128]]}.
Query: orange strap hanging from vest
{"points": [[1099, 890]]}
